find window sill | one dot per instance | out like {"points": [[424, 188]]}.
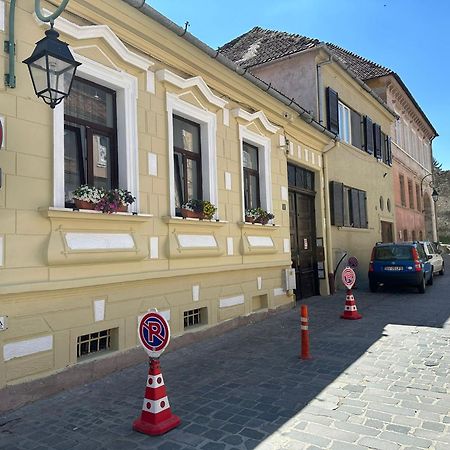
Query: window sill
{"points": [[360, 230], [175, 220], [86, 214], [253, 226]]}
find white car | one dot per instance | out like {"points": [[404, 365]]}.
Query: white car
{"points": [[434, 256]]}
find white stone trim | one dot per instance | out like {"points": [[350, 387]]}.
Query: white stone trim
{"points": [[228, 181], [2, 120], [284, 194], [286, 245], [230, 246], [151, 85], [126, 87], [28, 347], [165, 75], [299, 152], [226, 117], [196, 293], [99, 310], [2, 15], [265, 172], [2, 251], [99, 31], [208, 126], [165, 314], [279, 291], [243, 114], [99, 241], [259, 283], [154, 248], [231, 301], [260, 241], [152, 160], [196, 241]]}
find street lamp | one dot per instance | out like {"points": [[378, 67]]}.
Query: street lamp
{"points": [[435, 195], [52, 68]]}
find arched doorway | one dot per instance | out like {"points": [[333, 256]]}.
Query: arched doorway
{"points": [[428, 217]]}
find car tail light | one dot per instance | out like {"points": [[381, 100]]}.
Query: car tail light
{"points": [[371, 260], [416, 259]]}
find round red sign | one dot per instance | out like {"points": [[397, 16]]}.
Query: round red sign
{"points": [[348, 277], [154, 333]]}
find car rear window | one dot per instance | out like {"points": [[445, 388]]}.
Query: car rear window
{"points": [[399, 252]]}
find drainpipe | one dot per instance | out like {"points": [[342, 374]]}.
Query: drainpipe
{"points": [[320, 86], [326, 201]]}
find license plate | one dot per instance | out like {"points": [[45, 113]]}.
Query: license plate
{"points": [[394, 268]]}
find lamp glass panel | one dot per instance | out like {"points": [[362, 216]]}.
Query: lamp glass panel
{"points": [[38, 71]]}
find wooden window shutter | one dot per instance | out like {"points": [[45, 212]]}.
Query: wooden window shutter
{"points": [[368, 135], [356, 218], [383, 148], [356, 129], [337, 203], [362, 209], [389, 150], [332, 111], [377, 140]]}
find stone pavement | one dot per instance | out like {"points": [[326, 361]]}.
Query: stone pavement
{"points": [[382, 382]]}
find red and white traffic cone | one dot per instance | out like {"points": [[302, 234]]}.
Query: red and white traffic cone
{"points": [[304, 333], [156, 417], [350, 311]]}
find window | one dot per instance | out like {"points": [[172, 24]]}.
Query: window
{"points": [[195, 317], [187, 160], [344, 123], [251, 176], [90, 138], [348, 206], [420, 235], [95, 342], [418, 199], [411, 194], [413, 235], [402, 190], [405, 235]]}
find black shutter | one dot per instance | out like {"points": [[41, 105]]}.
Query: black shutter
{"points": [[355, 216], [377, 140], [389, 150], [383, 148], [362, 209], [332, 111], [356, 129], [368, 135], [337, 203]]}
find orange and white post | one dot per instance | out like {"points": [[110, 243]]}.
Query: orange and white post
{"points": [[304, 333]]}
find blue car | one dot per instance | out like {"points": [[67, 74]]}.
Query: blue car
{"points": [[402, 263]]}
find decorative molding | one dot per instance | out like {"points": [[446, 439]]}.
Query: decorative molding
{"points": [[228, 181], [2, 251], [230, 246], [196, 293], [99, 241], [151, 85], [231, 301], [154, 248], [2, 15], [99, 31], [286, 245], [18, 349], [167, 76], [226, 117], [196, 241], [260, 241], [284, 194], [242, 114], [2, 120], [259, 283], [299, 152], [279, 291], [99, 310], [152, 159]]}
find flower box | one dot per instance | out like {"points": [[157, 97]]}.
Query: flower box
{"points": [[83, 204], [187, 213]]}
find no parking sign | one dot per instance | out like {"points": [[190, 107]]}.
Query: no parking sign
{"points": [[348, 277], [154, 334]]}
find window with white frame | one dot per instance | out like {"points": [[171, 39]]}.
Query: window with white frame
{"points": [[255, 170], [192, 153], [344, 123], [95, 133]]}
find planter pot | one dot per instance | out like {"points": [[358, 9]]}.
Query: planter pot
{"points": [[262, 220], [82, 204], [122, 208], [187, 213], [249, 219]]}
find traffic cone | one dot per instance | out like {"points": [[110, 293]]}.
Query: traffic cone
{"points": [[156, 417], [350, 311], [304, 332]]}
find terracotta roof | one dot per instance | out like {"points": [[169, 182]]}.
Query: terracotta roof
{"points": [[259, 46]]}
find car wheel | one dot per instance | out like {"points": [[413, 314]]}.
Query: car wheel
{"points": [[430, 281], [421, 286], [442, 271], [373, 286]]}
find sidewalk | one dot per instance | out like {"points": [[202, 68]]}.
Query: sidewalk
{"points": [[381, 382]]}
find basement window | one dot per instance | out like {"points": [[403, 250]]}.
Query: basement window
{"points": [[195, 317], [98, 342]]}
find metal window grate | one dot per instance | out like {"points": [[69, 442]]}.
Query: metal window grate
{"points": [[193, 317], [93, 343]]}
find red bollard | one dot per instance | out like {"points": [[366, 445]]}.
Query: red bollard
{"points": [[304, 333]]}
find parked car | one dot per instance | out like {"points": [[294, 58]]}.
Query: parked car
{"points": [[434, 256], [404, 263]]}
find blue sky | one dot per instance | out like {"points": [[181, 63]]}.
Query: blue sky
{"points": [[411, 37]]}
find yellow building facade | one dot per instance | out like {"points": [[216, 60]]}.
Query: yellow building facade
{"points": [[73, 283]]}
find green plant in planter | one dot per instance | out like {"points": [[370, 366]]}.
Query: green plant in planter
{"points": [[251, 214], [86, 193], [263, 216], [115, 200], [204, 208]]}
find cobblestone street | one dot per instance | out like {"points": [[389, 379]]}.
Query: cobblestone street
{"points": [[381, 382]]}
